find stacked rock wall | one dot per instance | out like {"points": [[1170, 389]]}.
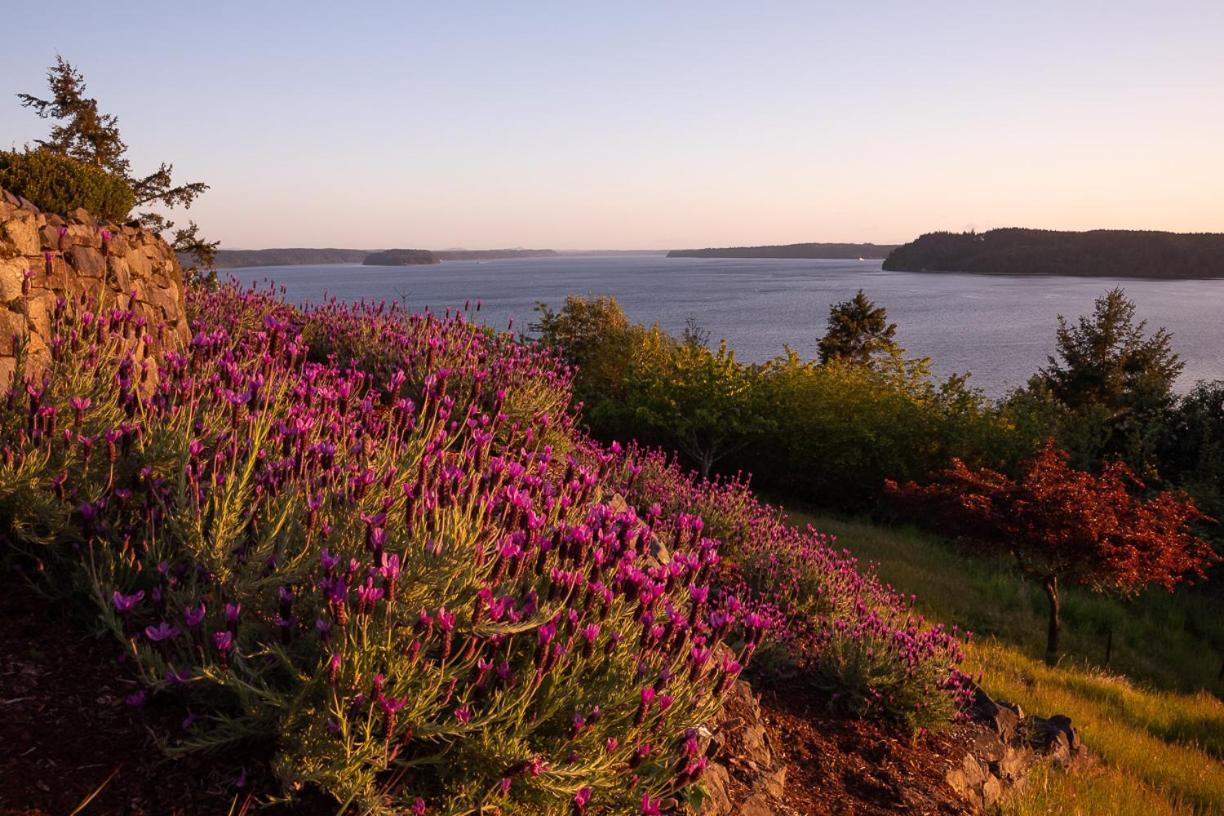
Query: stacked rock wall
{"points": [[46, 257]]}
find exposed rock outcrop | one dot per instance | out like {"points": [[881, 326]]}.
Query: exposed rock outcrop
{"points": [[747, 776], [45, 257], [1007, 747]]}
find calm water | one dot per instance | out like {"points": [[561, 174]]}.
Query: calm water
{"points": [[998, 328]]}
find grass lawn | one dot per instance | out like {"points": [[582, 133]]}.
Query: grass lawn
{"points": [[1153, 718]]}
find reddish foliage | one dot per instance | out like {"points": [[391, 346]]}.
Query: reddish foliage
{"points": [[1059, 522]]}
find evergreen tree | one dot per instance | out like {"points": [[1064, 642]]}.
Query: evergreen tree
{"points": [[1107, 366], [858, 331], [83, 133], [80, 132]]}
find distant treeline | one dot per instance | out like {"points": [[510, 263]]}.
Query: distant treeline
{"points": [[303, 256], [1108, 253], [812, 251], [231, 258]]}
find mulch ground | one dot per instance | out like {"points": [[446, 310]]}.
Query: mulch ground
{"points": [[70, 743], [843, 767]]}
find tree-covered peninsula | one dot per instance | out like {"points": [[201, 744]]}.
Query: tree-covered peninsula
{"points": [[1106, 253], [807, 251]]}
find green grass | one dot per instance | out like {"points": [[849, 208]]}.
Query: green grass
{"points": [[1172, 641], [1156, 735]]}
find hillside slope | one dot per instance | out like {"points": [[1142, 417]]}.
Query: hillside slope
{"points": [[1158, 751]]}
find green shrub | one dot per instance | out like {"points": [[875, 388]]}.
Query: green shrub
{"points": [[58, 184]]}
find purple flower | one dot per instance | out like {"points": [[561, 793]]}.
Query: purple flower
{"points": [[126, 603], [224, 641], [136, 699], [194, 615], [163, 631]]}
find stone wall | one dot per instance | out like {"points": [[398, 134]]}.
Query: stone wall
{"points": [[45, 257]]}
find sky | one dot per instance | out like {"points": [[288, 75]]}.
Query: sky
{"points": [[651, 125]]}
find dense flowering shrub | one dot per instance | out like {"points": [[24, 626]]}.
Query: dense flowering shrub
{"points": [[351, 566], [831, 621], [374, 542]]}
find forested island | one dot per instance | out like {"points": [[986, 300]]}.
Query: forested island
{"points": [[400, 257], [809, 251], [1106, 253]]}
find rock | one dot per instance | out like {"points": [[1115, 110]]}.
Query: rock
{"points": [[12, 274], [1014, 764], [87, 261], [992, 791], [12, 325], [21, 231]]}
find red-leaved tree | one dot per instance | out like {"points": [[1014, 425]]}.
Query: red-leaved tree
{"points": [[1066, 525]]}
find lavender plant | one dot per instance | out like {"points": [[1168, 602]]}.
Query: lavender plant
{"points": [[380, 574], [831, 621], [375, 543]]}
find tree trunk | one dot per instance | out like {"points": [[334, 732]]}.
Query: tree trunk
{"points": [[1055, 628]]}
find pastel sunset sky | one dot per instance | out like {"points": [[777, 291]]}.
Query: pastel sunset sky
{"points": [[651, 125]]}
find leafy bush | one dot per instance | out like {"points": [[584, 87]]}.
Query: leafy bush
{"points": [[842, 429], [58, 184], [829, 434], [355, 571]]}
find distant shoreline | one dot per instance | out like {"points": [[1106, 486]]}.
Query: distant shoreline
{"points": [[1137, 254], [307, 256], [809, 251]]}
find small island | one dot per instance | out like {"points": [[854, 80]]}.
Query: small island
{"points": [[815, 251], [400, 257], [1102, 253]]}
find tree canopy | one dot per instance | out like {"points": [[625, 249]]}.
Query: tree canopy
{"points": [[1064, 524], [858, 332], [82, 132]]}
